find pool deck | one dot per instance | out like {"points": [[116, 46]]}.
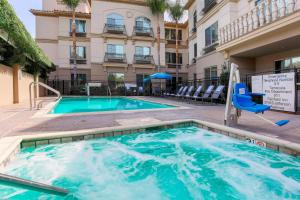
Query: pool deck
{"points": [[16, 120]]}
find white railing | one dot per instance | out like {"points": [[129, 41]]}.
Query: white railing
{"points": [[36, 84], [265, 13]]}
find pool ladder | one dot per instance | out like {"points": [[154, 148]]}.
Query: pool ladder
{"points": [[40, 104], [13, 181]]}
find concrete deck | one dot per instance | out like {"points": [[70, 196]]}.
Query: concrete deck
{"points": [[18, 120]]}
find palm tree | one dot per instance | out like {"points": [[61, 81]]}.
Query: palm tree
{"points": [[72, 4], [176, 13], [157, 8]]}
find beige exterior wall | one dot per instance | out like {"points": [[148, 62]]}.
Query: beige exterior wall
{"points": [[267, 63], [6, 85], [10, 80], [24, 81]]}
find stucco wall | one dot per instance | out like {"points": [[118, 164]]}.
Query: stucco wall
{"points": [[24, 81], [267, 63], [6, 85]]}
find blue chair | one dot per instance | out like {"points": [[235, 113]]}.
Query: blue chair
{"points": [[242, 100]]}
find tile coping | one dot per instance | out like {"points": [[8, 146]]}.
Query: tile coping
{"points": [[45, 112], [9, 146]]}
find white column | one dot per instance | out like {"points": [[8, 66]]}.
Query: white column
{"points": [[245, 20], [241, 31], [275, 12], [255, 17], [268, 11], [262, 14], [283, 8], [237, 28], [250, 21]]}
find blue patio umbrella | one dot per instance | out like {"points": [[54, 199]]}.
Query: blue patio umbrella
{"points": [[164, 76], [160, 75]]}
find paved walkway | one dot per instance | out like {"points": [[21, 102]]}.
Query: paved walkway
{"points": [[17, 120]]}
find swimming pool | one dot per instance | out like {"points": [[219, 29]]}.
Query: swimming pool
{"points": [[101, 104], [178, 163]]}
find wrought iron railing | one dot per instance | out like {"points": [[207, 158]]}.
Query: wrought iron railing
{"points": [[143, 31], [208, 5], [143, 59], [115, 57], [114, 29]]}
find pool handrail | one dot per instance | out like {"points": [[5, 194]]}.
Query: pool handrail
{"points": [[35, 98], [14, 181]]}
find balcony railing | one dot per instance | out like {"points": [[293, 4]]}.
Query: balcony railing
{"points": [[79, 34], [171, 41], [143, 31], [115, 57], [173, 65], [115, 29], [210, 48], [78, 61], [143, 59], [208, 4], [265, 13]]}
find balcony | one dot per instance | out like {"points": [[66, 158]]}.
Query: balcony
{"points": [[208, 5], [143, 59], [115, 58], [174, 65], [143, 31], [78, 34], [210, 48], [270, 21], [80, 61], [115, 29]]}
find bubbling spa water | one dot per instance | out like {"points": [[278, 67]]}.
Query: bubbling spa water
{"points": [[182, 163]]}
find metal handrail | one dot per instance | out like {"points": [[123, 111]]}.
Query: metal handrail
{"points": [[108, 90], [45, 86], [31, 185]]}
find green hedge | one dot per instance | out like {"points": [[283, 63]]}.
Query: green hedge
{"points": [[11, 24]]}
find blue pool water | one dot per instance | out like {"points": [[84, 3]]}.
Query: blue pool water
{"points": [[181, 164], [86, 104]]}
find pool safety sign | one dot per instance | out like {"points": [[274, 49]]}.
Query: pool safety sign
{"points": [[279, 90]]}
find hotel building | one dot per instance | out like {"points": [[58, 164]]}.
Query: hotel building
{"points": [[116, 39]]}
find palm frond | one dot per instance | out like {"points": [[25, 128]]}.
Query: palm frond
{"points": [[176, 12], [157, 7], [71, 3]]}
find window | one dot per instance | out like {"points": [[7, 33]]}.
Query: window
{"points": [[195, 21], [80, 26], [211, 34], [210, 72], [143, 22], [286, 64], [170, 34], [171, 58], [115, 20], [80, 51], [115, 49], [143, 51], [195, 50], [140, 79]]}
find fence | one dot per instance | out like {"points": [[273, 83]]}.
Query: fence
{"points": [[116, 88]]}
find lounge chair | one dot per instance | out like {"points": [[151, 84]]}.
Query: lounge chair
{"points": [[182, 92], [206, 94], [179, 91], [197, 92], [217, 94], [188, 94]]}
